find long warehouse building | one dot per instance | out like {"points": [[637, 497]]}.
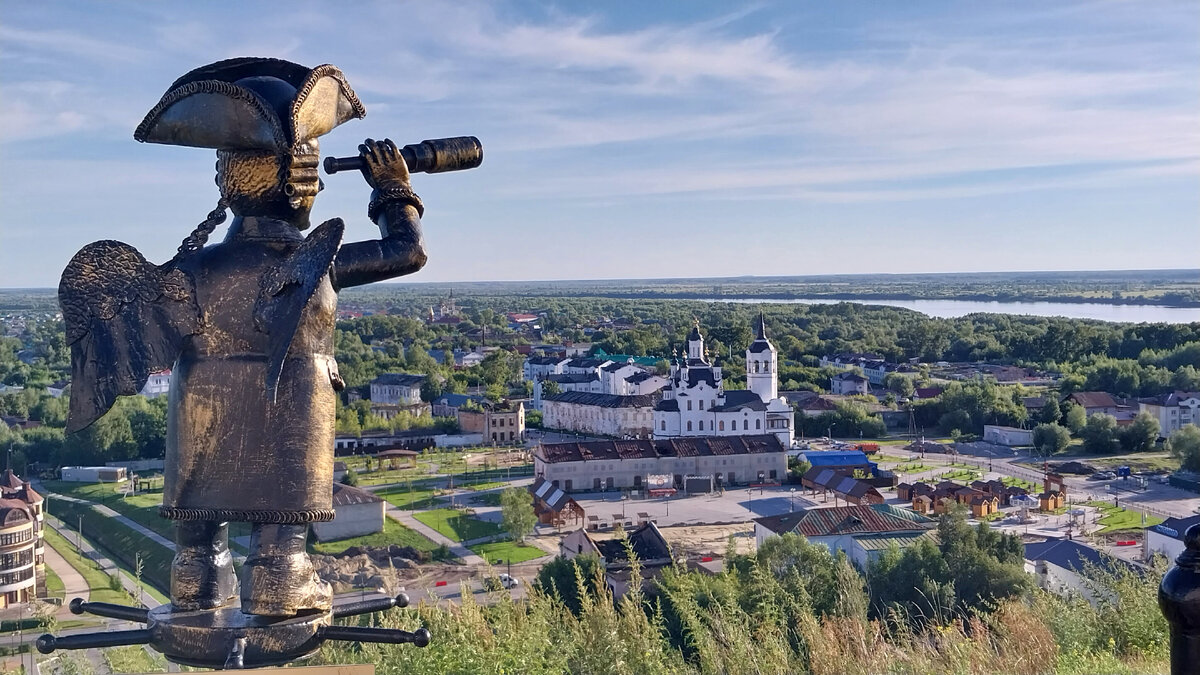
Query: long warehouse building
{"points": [[606, 465]]}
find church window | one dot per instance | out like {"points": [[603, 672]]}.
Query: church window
{"points": [[689, 426], [756, 366], [745, 425], [722, 423], [758, 424], [664, 425], [689, 404], [701, 425], [701, 402]]}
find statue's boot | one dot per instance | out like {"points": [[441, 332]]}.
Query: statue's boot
{"points": [[278, 578], [202, 574]]}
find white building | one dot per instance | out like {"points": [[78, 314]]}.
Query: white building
{"points": [[609, 465], [599, 414], [538, 367], [848, 383], [864, 532], [397, 389], [641, 383], [1062, 566], [1010, 436], [1173, 410], [158, 384], [1166, 538], [357, 512], [695, 402]]}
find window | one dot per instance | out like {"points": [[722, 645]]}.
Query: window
{"points": [[722, 423], [664, 425], [758, 424], [689, 426], [756, 366], [701, 425], [745, 425], [689, 404]]}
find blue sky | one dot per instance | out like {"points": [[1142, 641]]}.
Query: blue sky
{"points": [[642, 139]]}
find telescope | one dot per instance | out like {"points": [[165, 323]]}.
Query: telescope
{"points": [[435, 156]]}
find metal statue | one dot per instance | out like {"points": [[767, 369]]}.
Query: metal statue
{"points": [[246, 326]]}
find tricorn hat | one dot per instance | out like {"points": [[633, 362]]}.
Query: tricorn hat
{"points": [[251, 104]]}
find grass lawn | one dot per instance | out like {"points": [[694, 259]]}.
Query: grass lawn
{"points": [[140, 508], [119, 543], [1118, 519], [911, 468], [99, 583], [508, 552], [415, 499], [964, 475], [1138, 463], [456, 524], [393, 533], [54, 585], [1010, 481], [492, 485], [487, 499], [133, 659]]}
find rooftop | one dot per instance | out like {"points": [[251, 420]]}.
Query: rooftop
{"points": [[695, 446], [602, 400], [873, 519]]}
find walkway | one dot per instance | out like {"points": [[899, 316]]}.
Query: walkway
{"points": [[73, 582], [110, 513], [405, 518]]}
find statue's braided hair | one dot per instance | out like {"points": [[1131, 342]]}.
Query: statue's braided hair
{"points": [[199, 236]]}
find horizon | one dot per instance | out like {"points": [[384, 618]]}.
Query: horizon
{"points": [[632, 141], [729, 278]]}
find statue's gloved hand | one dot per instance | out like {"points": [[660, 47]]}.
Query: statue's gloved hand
{"points": [[383, 165]]}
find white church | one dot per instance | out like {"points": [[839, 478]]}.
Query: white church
{"points": [[695, 402]]}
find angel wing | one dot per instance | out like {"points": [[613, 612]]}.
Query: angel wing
{"points": [[285, 290], [125, 318]]}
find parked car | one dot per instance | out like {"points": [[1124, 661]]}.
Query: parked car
{"points": [[503, 581]]}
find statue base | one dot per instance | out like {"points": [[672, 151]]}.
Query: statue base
{"points": [[226, 638]]}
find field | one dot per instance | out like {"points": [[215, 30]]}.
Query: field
{"points": [[507, 551], [1117, 519], [457, 525], [409, 499], [393, 533]]}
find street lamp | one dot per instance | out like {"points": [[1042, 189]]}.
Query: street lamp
{"points": [[793, 499]]}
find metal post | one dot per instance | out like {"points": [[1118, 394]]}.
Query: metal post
{"points": [[1179, 600]]}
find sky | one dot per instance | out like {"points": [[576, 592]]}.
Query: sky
{"points": [[644, 139]]}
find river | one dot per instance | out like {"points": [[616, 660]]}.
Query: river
{"points": [[950, 309]]}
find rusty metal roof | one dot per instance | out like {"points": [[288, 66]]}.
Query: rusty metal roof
{"points": [[697, 446]]}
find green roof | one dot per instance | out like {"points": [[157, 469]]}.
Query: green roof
{"points": [[621, 358], [881, 542]]}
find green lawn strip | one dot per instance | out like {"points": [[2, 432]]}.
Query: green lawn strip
{"points": [[140, 508], [911, 468], [479, 487], [508, 551], [54, 584], [1011, 481], [133, 659], [120, 543], [393, 533], [98, 581], [457, 525], [1118, 519], [402, 497]]}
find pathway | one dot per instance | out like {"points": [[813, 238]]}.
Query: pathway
{"points": [[73, 582], [110, 513], [108, 566], [405, 518]]}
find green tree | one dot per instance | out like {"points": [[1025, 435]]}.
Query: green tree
{"points": [[1100, 434], [1051, 413], [1141, 434], [1184, 445], [1074, 417], [901, 384], [516, 513], [350, 478], [567, 579], [1051, 438]]}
